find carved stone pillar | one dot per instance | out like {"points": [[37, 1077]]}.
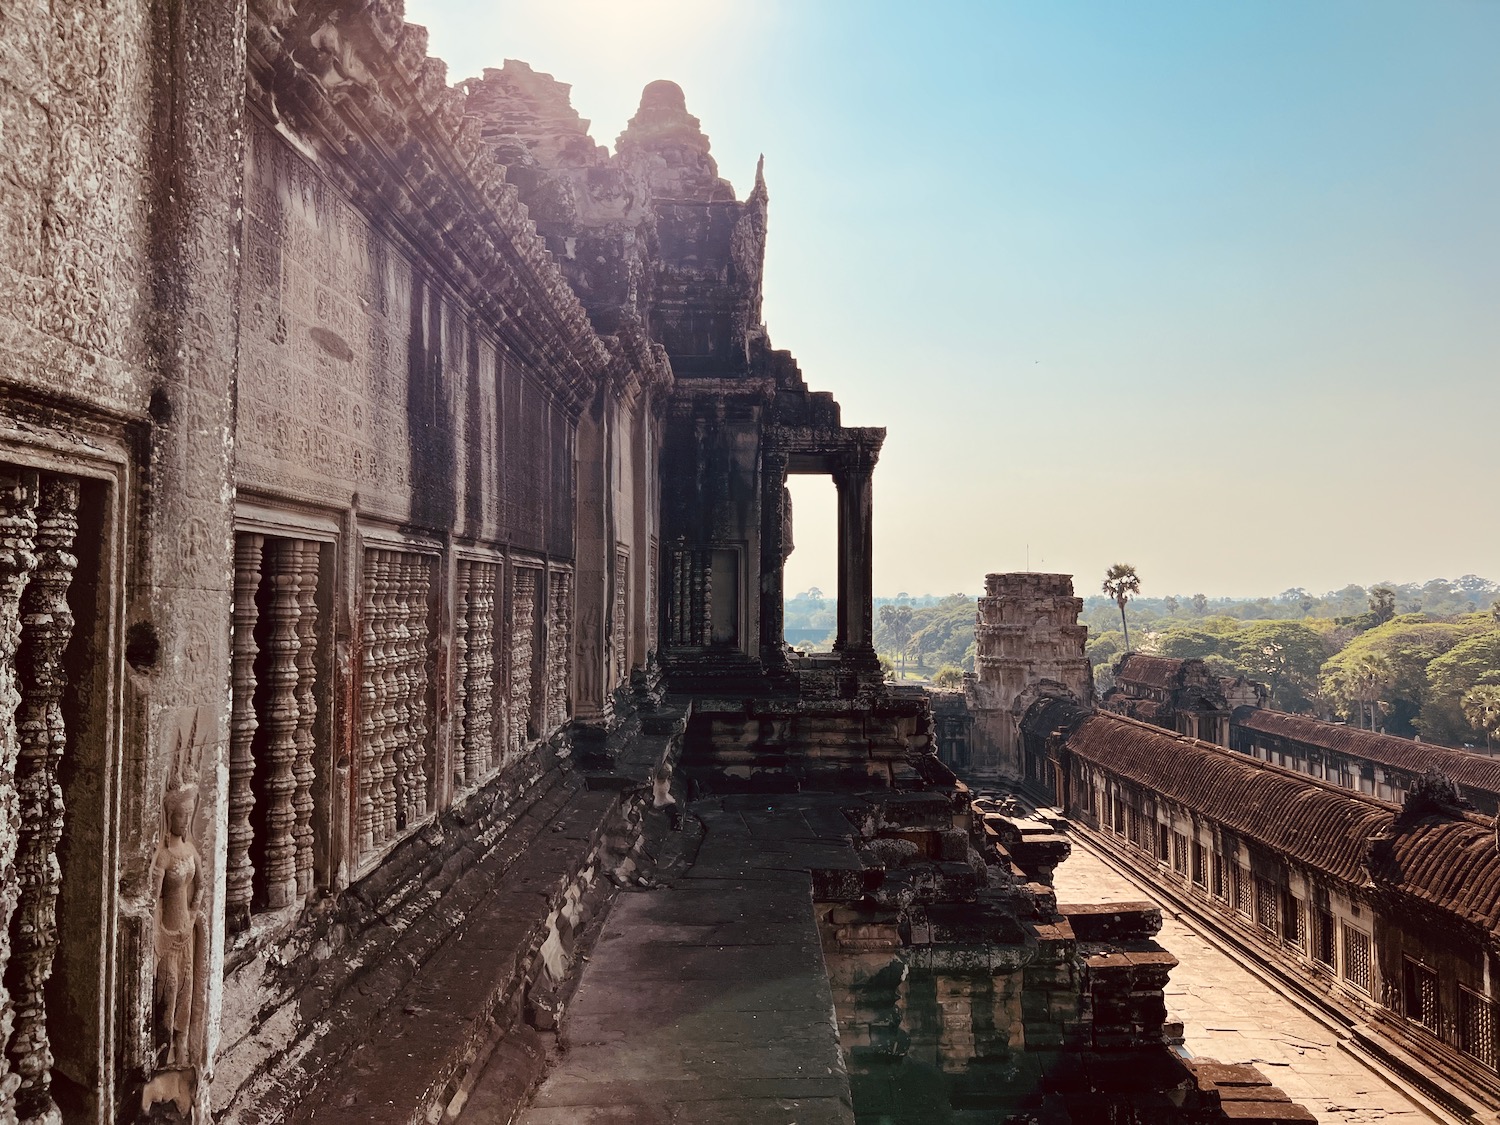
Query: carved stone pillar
{"points": [[775, 548], [18, 495], [278, 770], [240, 875], [46, 628], [856, 554]]}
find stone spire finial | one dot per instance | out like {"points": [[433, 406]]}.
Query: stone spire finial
{"points": [[671, 146], [758, 192]]}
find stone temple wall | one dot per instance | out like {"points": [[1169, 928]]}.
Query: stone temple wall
{"points": [[1029, 645], [289, 506], [119, 182]]}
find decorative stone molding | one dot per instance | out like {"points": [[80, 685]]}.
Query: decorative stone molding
{"points": [[402, 148]]}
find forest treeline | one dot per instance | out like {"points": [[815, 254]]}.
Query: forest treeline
{"points": [[1409, 659]]}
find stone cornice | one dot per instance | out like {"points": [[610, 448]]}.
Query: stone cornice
{"points": [[353, 82]]}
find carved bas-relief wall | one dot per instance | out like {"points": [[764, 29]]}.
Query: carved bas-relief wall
{"points": [[119, 181], [413, 372]]}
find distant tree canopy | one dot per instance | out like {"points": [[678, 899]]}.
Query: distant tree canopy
{"points": [[1432, 667]]}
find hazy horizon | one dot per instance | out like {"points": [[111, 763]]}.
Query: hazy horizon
{"points": [[1206, 288]]}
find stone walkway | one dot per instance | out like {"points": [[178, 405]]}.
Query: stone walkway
{"points": [[707, 1002], [1230, 1015]]}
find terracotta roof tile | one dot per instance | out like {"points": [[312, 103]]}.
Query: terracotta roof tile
{"points": [[1469, 769], [1322, 827], [1450, 863], [1150, 671]]}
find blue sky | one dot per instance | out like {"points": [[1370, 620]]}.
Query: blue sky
{"points": [[1210, 288]]}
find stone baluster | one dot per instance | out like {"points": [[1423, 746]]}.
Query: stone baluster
{"points": [[653, 610], [398, 679], [677, 598], [560, 645], [369, 711], [479, 741], [240, 873], [485, 669], [389, 597], [280, 744], [419, 570], [406, 748], [463, 775], [695, 598], [304, 771], [46, 628], [520, 655], [706, 598], [620, 618], [18, 492]]}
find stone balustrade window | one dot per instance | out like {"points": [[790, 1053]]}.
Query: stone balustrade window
{"points": [[1293, 921], [1419, 994], [559, 663], [1266, 904], [1356, 967], [44, 531], [478, 685], [395, 763], [1242, 890], [278, 690], [1323, 939], [1476, 1027]]}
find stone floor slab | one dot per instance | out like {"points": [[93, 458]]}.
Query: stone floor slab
{"points": [[1234, 1016], [707, 1001]]}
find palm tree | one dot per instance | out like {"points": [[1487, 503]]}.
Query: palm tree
{"points": [[1481, 706], [1122, 583], [1372, 677]]}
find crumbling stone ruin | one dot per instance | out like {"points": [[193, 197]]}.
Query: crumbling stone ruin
{"points": [[1030, 646]]}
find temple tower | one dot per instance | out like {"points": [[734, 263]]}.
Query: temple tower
{"points": [[1030, 645]]}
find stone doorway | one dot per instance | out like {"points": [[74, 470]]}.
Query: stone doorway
{"points": [[810, 577]]}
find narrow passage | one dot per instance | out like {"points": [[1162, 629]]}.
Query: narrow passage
{"points": [[1233, 1016]]}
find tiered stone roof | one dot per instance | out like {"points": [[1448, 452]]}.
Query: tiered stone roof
{"points": [[1473, 770], [1445, 861]]}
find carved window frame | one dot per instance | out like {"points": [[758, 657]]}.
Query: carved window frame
{"points": [[451, 792], [254, 515], [1356, 958], [94, 450], [1476, 1026], [373, 537], [536, 700]]}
